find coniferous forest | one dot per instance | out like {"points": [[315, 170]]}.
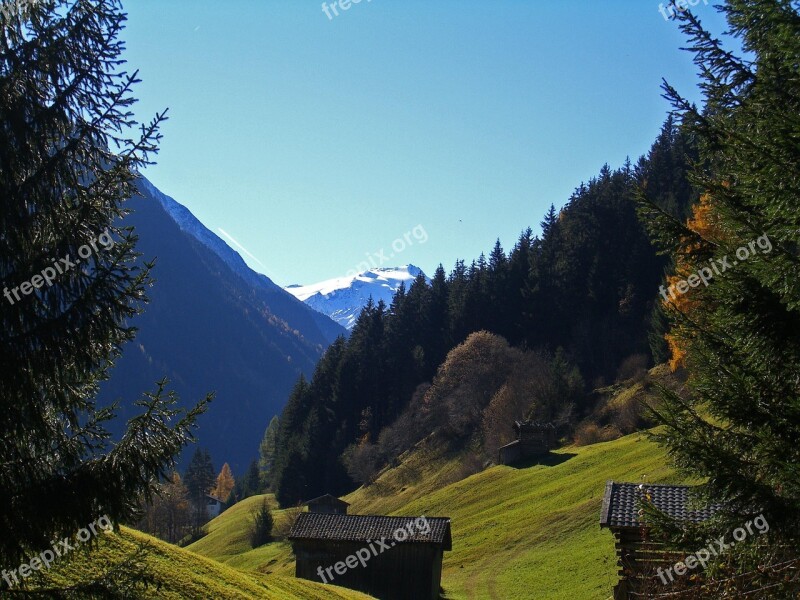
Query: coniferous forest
{"points": [[586, 289]]}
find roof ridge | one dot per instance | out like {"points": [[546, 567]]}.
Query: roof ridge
{"points": [[672, 485], [622, 503], [363, 528]]}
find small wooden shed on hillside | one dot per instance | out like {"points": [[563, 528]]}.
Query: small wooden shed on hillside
{"points": [[365, 553], [327, 504], [639, 556], [533, 439]]}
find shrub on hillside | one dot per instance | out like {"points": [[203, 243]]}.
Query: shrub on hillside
{"points": [[362, 462], [589, 432], [470, 464], [630, 416], [466, 382], [262, 524]]}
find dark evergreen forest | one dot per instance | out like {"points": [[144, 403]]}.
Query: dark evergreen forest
{"points": [[585, 287]]}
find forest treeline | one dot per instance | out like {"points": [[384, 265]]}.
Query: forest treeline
{"points": [[582, 294]]}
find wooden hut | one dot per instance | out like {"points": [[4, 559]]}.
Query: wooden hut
{"points": [[366, 553], [533, 439], [327, 504], [640, 556]]}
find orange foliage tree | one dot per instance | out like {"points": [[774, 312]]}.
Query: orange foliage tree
{"points": [[225, 483]]}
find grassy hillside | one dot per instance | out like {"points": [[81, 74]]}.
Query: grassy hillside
{"points": [[426, 468], [179, 574], [517, 532], [534, 532], [228, 540]]}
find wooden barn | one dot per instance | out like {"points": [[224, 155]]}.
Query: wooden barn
{"points": [[533, 439], [365, 553], [639, 556]]}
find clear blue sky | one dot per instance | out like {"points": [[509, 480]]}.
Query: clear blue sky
{"points": [[314, 142]]}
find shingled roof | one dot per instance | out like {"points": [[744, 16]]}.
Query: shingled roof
{"points": [[621, 504], [327, 498], [366, 528]]}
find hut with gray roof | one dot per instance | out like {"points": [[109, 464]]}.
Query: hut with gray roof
{"points": [[639, 556], [392, 558]]}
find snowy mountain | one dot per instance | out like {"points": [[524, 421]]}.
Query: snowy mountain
{"points": [[343, 298]]}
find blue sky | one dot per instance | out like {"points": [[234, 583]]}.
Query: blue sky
{"points": [[317, 142]]}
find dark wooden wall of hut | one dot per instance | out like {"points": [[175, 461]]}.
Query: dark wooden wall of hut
{"points": [[410, 570], [331, 506], [510, 453], [537, 440], [639, 559]]}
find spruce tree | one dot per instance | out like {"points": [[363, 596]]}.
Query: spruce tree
{"points": [[252, 479], [739, 335], [438, 332], [261, 525], [69, 158], [267, 450], [288, 478], [199, 480], [199, 477]]}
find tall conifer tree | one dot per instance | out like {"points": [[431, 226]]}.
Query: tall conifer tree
{"points": [[739, 335]]}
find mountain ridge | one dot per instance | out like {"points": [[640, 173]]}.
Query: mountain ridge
{"points": [[192, 226], [210, 326]]}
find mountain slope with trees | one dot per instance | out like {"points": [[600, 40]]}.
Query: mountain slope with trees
{"points": [[214, 325], [584, 293]]}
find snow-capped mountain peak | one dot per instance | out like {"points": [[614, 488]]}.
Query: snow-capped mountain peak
{"points": [[342, 298]]}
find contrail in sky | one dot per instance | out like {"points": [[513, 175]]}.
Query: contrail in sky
{"points": [[242, 248]]}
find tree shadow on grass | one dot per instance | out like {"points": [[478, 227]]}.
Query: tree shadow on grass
{"points": [[550, 459]]}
